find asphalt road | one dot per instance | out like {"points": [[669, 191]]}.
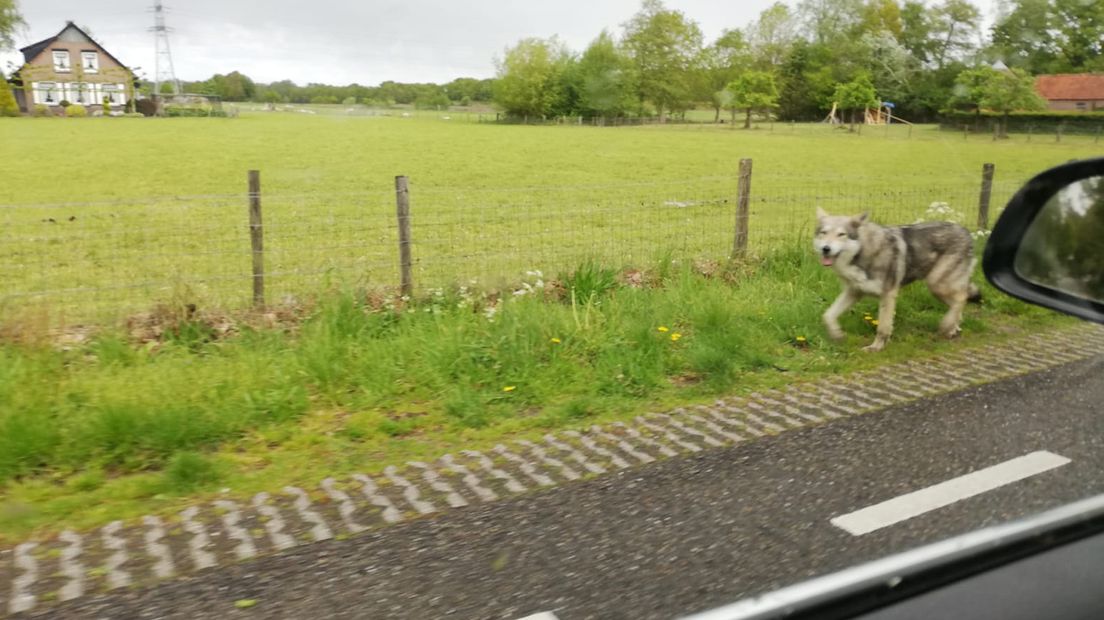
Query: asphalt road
{"points": [[680, 535]]}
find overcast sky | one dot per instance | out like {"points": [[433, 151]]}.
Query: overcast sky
{"points": [[338, 42]]}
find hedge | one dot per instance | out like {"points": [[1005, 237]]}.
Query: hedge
{"points": [[1038, 122], [175, 111]]}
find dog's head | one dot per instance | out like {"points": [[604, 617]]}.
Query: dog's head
{"points": [[836, 235]]}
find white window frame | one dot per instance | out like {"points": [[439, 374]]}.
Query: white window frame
{"points": [[117, 92], [77, 91], [1082, 106], [62, 55], [42, 90], [94, 65]]}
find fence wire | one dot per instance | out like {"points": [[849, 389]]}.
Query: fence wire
{"points": [[80, 263]]}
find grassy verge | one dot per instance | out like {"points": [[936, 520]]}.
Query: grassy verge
{"points": [[114, 429]]}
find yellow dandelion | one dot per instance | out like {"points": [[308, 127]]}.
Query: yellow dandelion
{"points": [[661, 328], [800, 338], [509, 388], [874, 322], [675, 336], [554, 340]]}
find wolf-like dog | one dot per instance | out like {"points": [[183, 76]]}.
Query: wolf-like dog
{"points": [[876, 260]]}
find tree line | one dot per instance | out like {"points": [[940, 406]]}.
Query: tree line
{"points": [[921, 56], [236, 86]]}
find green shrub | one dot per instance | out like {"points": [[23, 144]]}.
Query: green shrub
{"points": [[107, 106], [76, 111], [42, 110], [8, 106]]}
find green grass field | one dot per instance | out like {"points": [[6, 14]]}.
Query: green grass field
{"points": [[105, 217], [130, 421]]}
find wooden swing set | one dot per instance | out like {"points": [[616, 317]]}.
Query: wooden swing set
{"points": [[871, 116]]}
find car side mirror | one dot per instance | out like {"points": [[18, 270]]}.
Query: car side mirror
{"points": [[1048, 245]]}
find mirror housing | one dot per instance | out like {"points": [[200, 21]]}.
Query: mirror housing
{"points": [[999, 258]]}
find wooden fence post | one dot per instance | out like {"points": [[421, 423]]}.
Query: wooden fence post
{"points": [[406, 265], [256, 237], [983, 199], [743, 196]]}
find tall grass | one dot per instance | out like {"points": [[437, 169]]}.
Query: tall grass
{"points": [[539, 355]]}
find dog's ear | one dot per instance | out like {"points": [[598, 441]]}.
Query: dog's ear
{"points": [[859, 220], [821, 213]]}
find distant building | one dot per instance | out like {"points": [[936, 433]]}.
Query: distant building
{"points": [[70, 66], [1083, 92]]}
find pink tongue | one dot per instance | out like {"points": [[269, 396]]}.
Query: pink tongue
{"points": [[826, 261]]}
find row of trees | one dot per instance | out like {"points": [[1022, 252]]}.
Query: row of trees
{"points": [[236, 86], [798, 60]]}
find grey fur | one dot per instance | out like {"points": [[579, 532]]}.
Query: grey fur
{"points": [[876, 260]]}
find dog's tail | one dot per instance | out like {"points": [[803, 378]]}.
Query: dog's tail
{"points": [[973, 294]]}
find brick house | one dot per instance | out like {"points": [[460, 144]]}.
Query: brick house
{"points": [[70, 66], [1083, 92]]}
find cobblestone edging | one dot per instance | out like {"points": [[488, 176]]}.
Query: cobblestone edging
{"points": [[74, 564]]}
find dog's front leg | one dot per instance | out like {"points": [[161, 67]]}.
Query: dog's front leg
{"points": [[887, 307], [843, 303]]}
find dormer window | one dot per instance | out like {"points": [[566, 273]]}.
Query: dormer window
{"points": [[61, 61], [90, 62]]}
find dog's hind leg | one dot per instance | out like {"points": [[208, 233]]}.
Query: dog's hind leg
{"points": [[954, 289], [956, 302], [843, 303], [887, 308]]}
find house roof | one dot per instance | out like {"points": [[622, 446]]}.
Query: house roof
{"points": [[1071, 86], [34, 49]]}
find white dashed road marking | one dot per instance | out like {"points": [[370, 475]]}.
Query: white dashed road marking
{"points": [[231, 518], [22, 599], [163, 567], [116, 576], [71, 566], [390, 514], [946, 493], [319, 530], [273, 523], [544, 615]]}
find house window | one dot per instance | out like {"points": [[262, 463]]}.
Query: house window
{"points": [[79, 93], [1081, 105], [113, 94], [61, 61], [47, 93], [90, 62]]}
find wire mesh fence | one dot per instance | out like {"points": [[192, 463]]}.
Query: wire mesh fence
{"points": [[94, 262]]}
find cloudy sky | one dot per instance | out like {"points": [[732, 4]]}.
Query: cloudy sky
{"points": [[337, 42]]}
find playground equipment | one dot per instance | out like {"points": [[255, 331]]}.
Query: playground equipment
{"points": [[882, 115]]}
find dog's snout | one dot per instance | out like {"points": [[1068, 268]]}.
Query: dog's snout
{"points": [[825, 249]]}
